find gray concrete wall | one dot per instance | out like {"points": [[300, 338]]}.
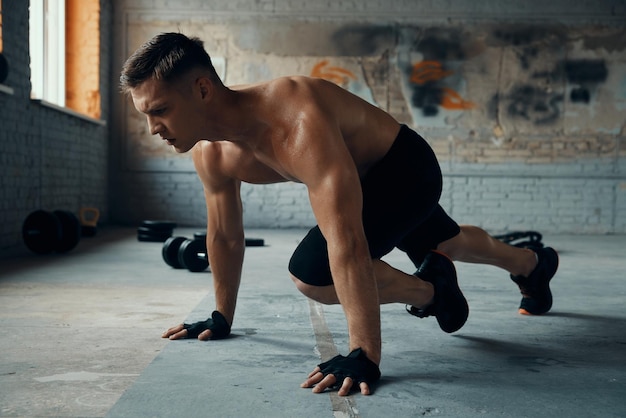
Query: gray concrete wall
{"points": [[523, 102], [49, 159]]}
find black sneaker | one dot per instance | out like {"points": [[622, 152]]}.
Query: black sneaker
{"points": [[535, 289], [449, 305]]}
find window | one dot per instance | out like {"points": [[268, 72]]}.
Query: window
{"points": [[1, 27], [65, 53], [4, 65], [47, 49]]}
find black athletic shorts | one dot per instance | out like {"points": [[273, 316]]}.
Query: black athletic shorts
{"points": [[400, 209]]}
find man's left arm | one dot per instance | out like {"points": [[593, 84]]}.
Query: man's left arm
{"points": [[336, 199]]}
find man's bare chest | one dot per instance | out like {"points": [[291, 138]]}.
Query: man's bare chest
{"points": [[254, 167]]}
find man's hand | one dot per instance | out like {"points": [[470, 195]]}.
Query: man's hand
{"points": [[179, 332], [213, 328], [344, 373]]}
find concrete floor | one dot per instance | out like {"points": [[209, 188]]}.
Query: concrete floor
{"points": [[80, 337]]}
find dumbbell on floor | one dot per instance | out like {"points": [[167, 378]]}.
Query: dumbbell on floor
{"points": [[46, 232], [191, 254]]}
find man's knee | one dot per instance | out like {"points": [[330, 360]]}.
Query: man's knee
{"points": [[322, 294]]}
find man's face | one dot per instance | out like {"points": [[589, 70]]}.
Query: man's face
{"points": [[170, 112]]}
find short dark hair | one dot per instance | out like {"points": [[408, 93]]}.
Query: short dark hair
{"points": [[165, 57]]}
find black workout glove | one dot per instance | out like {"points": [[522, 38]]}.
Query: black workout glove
{"points": [[356, 366], [217, 324]]}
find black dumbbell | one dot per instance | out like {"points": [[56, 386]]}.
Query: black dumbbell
{"points": [[71, 231], [180, 252], [193, 255], [170, 251], [41, 231], [45, 232]]}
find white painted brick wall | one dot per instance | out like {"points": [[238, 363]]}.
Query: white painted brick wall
{"points": [[579, 196], [284, 205], [554, 205]]}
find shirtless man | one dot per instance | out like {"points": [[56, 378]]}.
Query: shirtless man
{"points": [[373, 185]]}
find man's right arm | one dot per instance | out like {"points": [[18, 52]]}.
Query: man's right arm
{"points": [[225, 244], [225, 236]]}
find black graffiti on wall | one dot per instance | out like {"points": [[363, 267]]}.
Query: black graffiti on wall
{"points": [[427, 97], [430, 82], [537, 102], [435, 78], [534, 104], [584, 75], [440, 45], [363, 40], [527, 41], [585, 71], [541, 97]]}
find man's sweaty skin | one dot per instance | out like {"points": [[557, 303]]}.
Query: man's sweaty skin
{"points": [[325, 138]]}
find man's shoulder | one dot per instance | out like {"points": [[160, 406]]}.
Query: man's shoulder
{"points": [[208, 158], [276, 82], [204, 149], [214, 167], [294, 83]]}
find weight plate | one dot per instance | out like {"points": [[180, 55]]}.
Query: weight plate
{"points": [[70, 231], [41, 232], [255, 242], [165, 233], [170, 251], [158, 225], [150, 238], [189, 255], [200, 235]]}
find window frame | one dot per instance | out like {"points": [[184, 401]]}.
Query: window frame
{"points": [[47, 50]]}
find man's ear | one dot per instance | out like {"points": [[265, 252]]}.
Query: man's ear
{"points": [[204, 87]]}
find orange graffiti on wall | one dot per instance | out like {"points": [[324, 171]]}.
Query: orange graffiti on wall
{"points": [[336, 75], [453, 100], [426, 71], [430, 71]]}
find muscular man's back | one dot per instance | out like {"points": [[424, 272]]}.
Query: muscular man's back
{"points": [[283, 105]]}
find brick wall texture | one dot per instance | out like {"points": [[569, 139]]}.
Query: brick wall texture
{"points": [[523, 103], [49, 159]]}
